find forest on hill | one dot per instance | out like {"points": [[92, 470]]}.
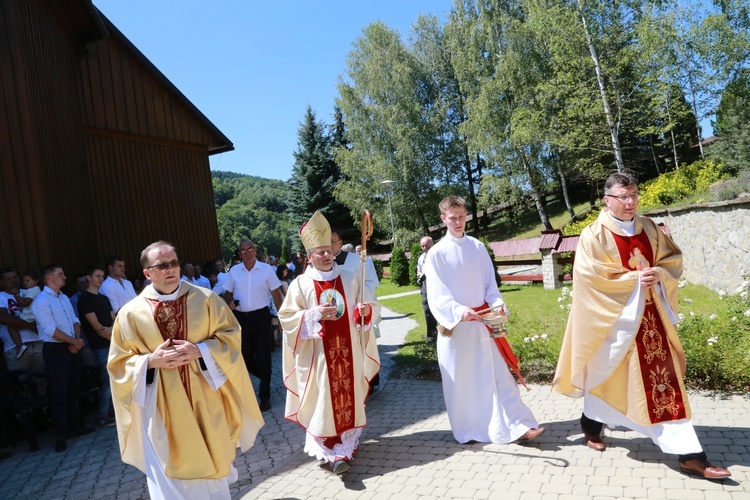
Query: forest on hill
{"points": [[503, 103]]}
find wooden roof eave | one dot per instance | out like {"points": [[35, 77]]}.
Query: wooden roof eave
{"points": [[222, 143]]}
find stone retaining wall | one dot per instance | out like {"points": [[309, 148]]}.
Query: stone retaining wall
{"points": [[715, 241]]}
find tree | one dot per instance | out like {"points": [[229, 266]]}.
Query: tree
{"points": [[399, 267], [314, 177], [386, 99], [732, 125]]}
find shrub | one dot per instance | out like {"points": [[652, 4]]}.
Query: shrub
{"points": [[576, 227], [717, 347], [378, 268], [673, 186], [416, 252], [399, 267]]}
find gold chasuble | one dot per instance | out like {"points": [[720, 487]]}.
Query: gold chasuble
{"points": [[203, 427], [327, 376], [647, 384]]}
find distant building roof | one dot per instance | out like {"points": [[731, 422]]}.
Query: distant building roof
{"points": [[549, 240]]}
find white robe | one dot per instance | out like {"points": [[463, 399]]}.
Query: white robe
{"points": [[676, 437], [305, 368], [481, 395]]}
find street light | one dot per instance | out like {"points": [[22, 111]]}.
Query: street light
{"points": [[389, 191]]}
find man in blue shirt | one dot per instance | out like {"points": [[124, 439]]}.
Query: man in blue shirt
{"points": [[60, 331]]}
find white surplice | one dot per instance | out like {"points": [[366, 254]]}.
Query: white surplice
{"points": [[481, 396]]}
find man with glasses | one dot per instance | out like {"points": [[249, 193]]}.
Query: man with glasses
{"points": [[247, 286], [621, 352], [183, 399]]}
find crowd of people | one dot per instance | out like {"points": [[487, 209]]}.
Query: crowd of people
{"points": [[180, 353]]}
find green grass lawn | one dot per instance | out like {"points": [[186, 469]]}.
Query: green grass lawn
{"points": [[387, 288], [535, 331]]}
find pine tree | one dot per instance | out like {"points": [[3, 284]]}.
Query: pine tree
{"points": [[314, 176], [399, 267]]}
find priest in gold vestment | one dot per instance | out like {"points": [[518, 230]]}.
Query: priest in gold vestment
{"points": [[621, 352], [328, 357], [182, 396]]}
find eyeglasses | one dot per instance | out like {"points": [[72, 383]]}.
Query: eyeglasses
{"points": [[163, 266], [624, 199], [249, 249]]}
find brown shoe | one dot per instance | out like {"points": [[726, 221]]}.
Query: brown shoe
{"points": [[531, 434], [704, 468], [594, 442]]}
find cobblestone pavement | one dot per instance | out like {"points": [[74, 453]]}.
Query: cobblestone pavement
{"points": [[408, 451], [92, 468]]}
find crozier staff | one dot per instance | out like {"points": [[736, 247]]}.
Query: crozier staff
{"points": [[328, 359]]}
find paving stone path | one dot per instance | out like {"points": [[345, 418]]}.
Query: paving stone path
{"points": [[408, 451]]}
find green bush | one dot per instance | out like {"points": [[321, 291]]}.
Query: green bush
{"points": [[576, 227], [416, 252], [399, 267], [717, 346], [673, 186], [378, 268]]}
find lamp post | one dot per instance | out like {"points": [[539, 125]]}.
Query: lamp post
{"points": [[389, 190]]}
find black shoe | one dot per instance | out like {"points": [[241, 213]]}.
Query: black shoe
{"points": [[265, 404], [61, 446]]}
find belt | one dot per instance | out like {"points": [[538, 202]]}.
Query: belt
{"points": [[249, 313]]}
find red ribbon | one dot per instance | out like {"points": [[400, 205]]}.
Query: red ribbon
{"points": [[505, 350]]}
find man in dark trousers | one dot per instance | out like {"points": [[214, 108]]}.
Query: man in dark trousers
{"points": [[426, 243], [249, 286]]}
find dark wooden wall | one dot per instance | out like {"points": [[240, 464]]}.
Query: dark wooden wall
{"points": [[46, 214], [99, 154]]}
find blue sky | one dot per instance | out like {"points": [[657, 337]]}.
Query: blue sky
{"points": [[253, 67]]}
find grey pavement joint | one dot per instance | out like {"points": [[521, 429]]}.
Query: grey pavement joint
{"points": [[408, 451]]}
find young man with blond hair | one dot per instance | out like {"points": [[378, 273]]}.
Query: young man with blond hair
{"points": [[481, 396]]}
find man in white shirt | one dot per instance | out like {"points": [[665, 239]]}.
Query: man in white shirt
{"points": [[116, 288], [481, 396], [60, 331], [248, 286], [426, 243], [198, 278]]}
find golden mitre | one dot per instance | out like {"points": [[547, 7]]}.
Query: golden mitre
{"points": [[316, 232]]}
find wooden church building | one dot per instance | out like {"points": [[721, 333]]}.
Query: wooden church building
{"points": [[100, 154]]}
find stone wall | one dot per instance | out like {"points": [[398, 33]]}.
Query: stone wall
{"points": [[715, 241]]}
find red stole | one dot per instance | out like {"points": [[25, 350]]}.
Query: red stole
{"points": [[505, 350], [171, 318], [337, 347], [663, 394]]}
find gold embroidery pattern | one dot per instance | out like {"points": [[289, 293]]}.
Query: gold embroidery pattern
{"points": [[341, 383], [663, 394], [171, 319], [652, 339]]}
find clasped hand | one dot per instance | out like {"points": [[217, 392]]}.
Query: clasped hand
{"points": [[649, 277], [173, 354]]}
